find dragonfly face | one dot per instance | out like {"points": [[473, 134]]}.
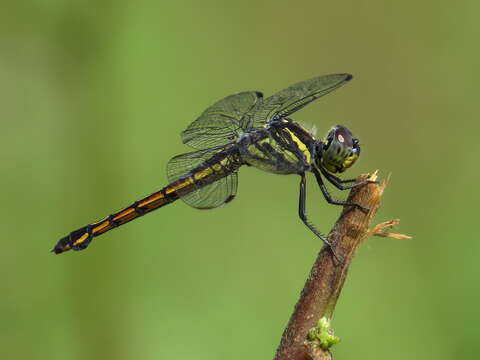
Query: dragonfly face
{"points": [[340, 150]]}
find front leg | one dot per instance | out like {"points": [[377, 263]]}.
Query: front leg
{"points": [[337, 182], [329, 198]]}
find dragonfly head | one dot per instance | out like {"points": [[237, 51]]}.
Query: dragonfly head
{"points": [[339, 150]]}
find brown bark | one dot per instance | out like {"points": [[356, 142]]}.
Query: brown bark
{"points": [[323, 286]]}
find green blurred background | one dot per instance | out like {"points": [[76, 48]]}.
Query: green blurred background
{"points": [[93, 97]]}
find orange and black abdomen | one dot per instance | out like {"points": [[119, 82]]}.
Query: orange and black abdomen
{"points": [[79, 239], [202, 175]]}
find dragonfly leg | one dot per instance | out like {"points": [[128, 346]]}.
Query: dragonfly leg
{"points": [[329, 198], [303, 216], [338, 183]]}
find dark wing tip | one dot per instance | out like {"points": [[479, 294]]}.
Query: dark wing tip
{"points": [[228, 199], [259, 94], [349, 77]]}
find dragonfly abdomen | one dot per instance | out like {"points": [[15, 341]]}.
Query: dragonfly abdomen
{"points": [[219, 166], [81, 238]]}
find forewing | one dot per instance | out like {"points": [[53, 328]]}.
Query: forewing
{"points": [[295, 97], [206, 197], [220, 123]]}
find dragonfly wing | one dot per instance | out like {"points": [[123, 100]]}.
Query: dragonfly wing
{"points": [[208, 196], [213, 195], [295, 97], [220, 123]]}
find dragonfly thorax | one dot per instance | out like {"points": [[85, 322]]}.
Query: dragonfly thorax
{"points": [[338, 151]]}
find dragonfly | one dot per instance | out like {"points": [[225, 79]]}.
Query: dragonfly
{"points": [[245, 129]]}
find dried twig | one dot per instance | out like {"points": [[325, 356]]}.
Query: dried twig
{"points": [[302, 339]]}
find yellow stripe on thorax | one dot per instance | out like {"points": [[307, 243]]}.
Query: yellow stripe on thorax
{"points": [[301, 145]]}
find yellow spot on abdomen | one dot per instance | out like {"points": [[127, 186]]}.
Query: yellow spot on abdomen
{"points": [[179, 186], [203, 173], [81, 239]]}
